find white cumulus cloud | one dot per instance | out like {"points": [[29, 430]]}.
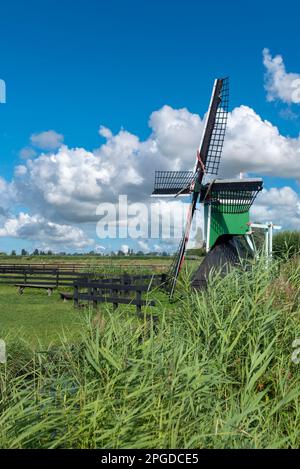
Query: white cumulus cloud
{"points": [[7, 196], [279, 205], [279, 83], [65, 186], [27, 152], [47, 140], [37, 228], [68, 185], [254, 145]]}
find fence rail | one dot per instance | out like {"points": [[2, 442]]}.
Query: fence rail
{"points": [[123, 291], [75, 267], [30, 275]]}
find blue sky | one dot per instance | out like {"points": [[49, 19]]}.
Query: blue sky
{"points": [[73, 66]]}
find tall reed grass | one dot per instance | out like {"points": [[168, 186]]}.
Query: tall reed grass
{"points": [[214, 372]]}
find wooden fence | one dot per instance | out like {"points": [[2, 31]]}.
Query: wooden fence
{"points": [[123, 290], [79, 266], [32, 275]]}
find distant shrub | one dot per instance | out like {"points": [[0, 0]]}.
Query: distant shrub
{"points": [[196, 252], [286, 244]]}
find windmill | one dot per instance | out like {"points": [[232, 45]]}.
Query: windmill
{"points": [[226, 202]]}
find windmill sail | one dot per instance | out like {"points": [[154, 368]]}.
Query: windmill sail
{"points": [[208, 160], [211, 145], [174, 183], [171, 183], [215, 148]]}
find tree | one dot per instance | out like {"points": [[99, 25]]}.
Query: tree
{"points": [[13, 253], [24, 252]]}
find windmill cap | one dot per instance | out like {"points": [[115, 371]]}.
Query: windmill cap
{"points": [[246, 184]]}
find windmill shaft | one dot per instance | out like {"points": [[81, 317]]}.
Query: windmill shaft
{"points": [[184, 241]]}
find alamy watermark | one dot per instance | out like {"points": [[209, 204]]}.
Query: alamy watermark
{"points": [[163, 220], [2, 351], [296, 352], [2, 92]]}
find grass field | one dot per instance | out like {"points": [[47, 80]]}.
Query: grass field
{"points": [[85, 260], [35, 316], [40, 319], [215, 371]]}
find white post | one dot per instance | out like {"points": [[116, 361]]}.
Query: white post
{"points": [[208, 228], [268, 230], [270, 239], [267, 246]]}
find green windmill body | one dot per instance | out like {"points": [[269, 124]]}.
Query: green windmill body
{"points": [[226, 202], [217, 224], [227, 207]]}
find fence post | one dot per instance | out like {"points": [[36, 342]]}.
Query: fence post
{"points": [[76, 296], [125, 280], [57, 277], [90, 293], [115, 305], [163, 278], [138, 301], [94, 294]]}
